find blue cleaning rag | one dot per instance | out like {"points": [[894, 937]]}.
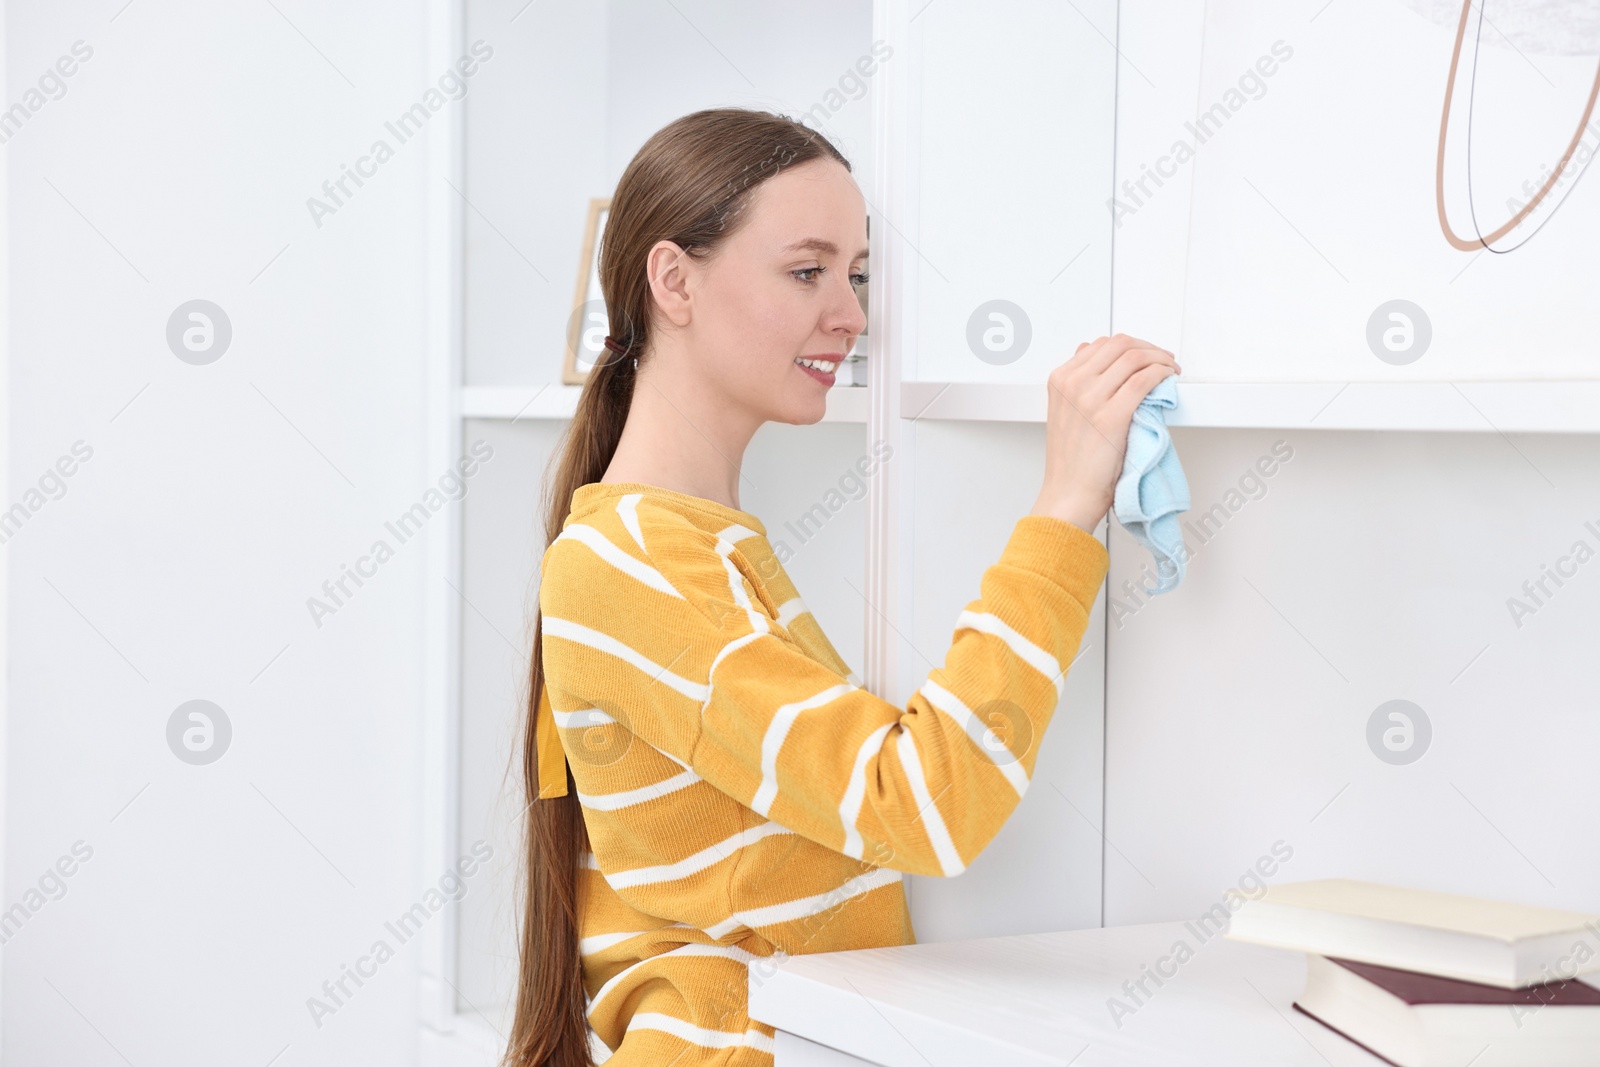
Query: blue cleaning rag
{"points": [[1152, 490]]}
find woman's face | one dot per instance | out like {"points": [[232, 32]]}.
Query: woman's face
{"points": [[783, 287]]}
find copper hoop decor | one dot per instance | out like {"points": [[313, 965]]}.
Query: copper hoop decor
{"points": [[1455, 239]]}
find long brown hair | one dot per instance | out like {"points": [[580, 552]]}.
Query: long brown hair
{"points": [[690, 183]]}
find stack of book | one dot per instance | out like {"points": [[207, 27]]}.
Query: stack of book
{"points": [[1427, 979]]}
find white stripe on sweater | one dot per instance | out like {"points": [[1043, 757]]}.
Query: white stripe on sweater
{"points": [[628, 512], [580, 718], [1036, 657], [982, 736], [855, 792], [607, 550], [628, 797], [792, 609], [938, 835], [790, 910], [706, 857], [600, 942], [726, 650], [772, 742], [738, 955], [697, 1035], [604, 642], [758, 621]]}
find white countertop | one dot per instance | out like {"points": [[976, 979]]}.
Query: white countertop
{"points": [[1036, 999]]}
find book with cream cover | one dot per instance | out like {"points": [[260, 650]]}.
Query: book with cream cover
{"points": [[1468, 938]]}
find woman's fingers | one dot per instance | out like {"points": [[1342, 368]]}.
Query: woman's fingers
{"points": [[1138, 385], [1104, 351], [1110, 362]]}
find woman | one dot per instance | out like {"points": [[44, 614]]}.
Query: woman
{"points": [[710, 789]]}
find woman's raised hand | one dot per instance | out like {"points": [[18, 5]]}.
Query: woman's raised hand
{"points": [[1092, 399]]}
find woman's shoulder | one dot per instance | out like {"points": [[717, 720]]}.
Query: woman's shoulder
{"points": [[641, 546], [639, 527]]}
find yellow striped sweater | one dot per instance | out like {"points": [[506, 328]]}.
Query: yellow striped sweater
{"points": [[745, 797]]}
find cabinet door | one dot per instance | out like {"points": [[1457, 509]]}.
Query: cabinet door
{"points": [[973, 480], [1013, 111], [1001, 194]]}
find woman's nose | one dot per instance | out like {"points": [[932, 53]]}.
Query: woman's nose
{"points": [[849, 310]]}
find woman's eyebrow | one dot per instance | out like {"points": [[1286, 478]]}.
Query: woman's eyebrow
{"points": [[818, 244]]}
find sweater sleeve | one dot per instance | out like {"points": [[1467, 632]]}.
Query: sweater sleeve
{"points": [[673, 640]]}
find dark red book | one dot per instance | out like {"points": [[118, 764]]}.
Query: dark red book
{"points": [[1412, 1019]]}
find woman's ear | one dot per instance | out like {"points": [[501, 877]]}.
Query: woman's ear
{"points": [[670, 269]]}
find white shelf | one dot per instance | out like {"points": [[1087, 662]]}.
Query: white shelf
{"points": [[1495, 406], [1038, 999], [845, 403], [1506, 407]]}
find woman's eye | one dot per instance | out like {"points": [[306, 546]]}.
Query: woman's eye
{"points": [[855, 279]]}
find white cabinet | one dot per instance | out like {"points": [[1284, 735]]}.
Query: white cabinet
{"points": [[972, 197]]}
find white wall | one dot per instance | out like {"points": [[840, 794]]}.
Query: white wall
{"points": [[218, 498], [5, 468], [535, 154], [1368, 567]]}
